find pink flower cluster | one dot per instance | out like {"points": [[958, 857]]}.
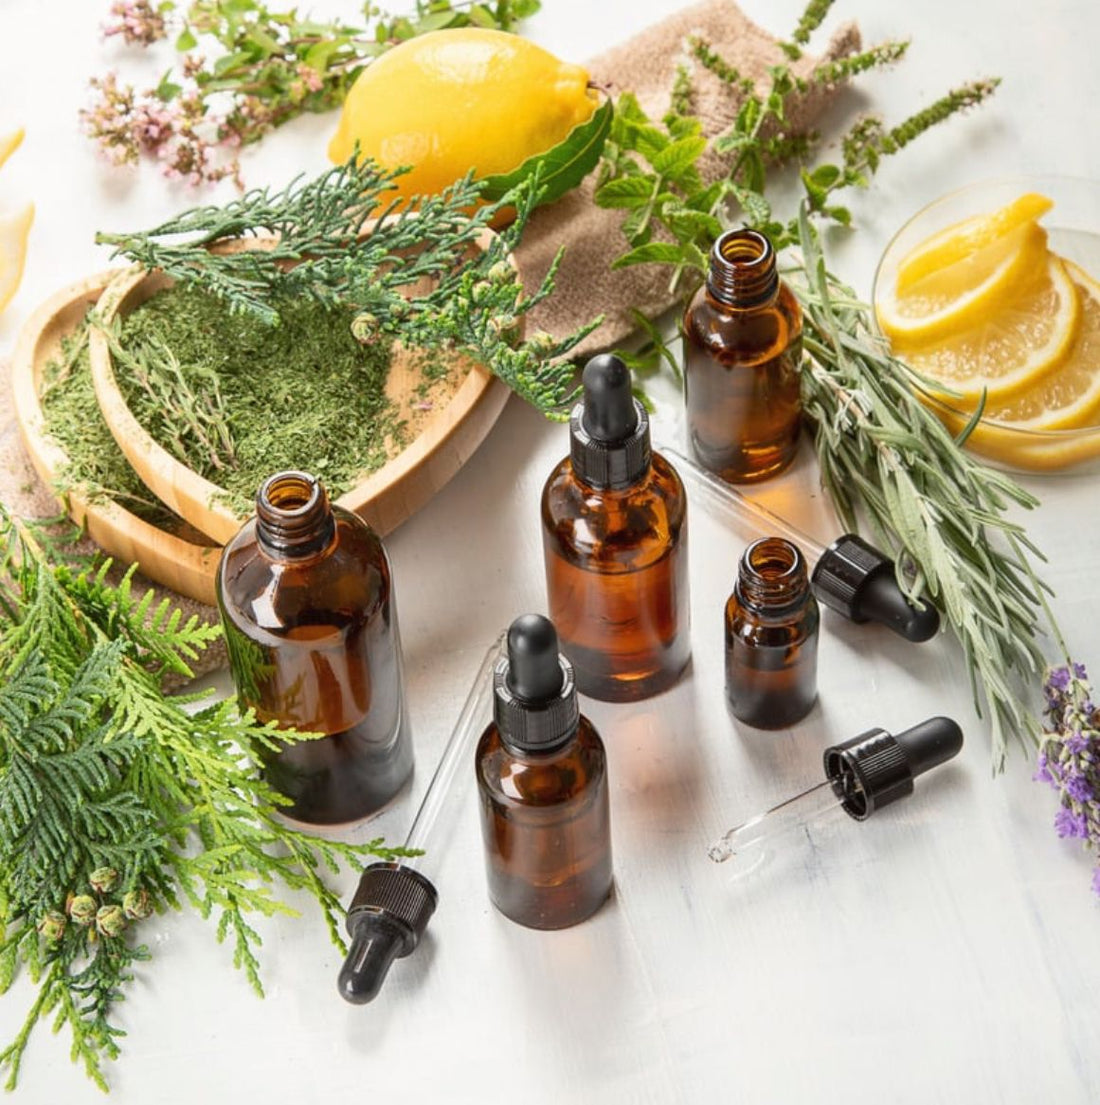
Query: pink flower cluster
{"points": [[139, 23]]}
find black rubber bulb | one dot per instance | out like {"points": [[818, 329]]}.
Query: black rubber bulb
{"points": [[374, 947], [534, 673], [609, 411], [882, 600]]}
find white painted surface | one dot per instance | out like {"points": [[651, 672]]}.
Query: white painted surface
{"points": [[944, 952]]}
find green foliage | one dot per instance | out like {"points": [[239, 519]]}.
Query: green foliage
{"points": [[324, 252], [117, 799], [883, 456]]}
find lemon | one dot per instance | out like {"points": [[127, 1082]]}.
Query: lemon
{"points": [[961, 294], [450, 101], [9, 143], [1028, 334], [14, 229], [1068, 397], [968, 237]]}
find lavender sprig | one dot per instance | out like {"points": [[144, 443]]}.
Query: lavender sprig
{"points": [[1069, 756]]}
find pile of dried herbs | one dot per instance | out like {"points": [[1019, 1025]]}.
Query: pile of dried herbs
{"points": [[236, 398]]}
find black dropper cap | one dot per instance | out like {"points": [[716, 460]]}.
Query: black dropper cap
{"points": [[534, 691], [388, 915], [855, 579], [609, 429], [876, 768]]}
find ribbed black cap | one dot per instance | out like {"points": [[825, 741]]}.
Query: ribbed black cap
{"points": [[609, 429], [876, 768], [388, 915], [856, 580], [534, 691]]}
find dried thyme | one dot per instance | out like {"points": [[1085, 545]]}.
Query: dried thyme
{"points": [[302, 394]]}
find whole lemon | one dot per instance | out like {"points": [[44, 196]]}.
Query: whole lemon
{"points": [[450, 101]]}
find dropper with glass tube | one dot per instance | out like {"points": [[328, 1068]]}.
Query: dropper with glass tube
{"points": [[849, 576], [395, 900]]}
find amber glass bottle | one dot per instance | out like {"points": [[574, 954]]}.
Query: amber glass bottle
{"points": [[542, 781], [742, 348], [306, 601], [614, 526], [771, 637]]}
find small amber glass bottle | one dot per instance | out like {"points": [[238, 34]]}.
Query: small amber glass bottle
{"points": [[742, 349], [542, 781], [306, 601], [771, 637], [614, 528]]}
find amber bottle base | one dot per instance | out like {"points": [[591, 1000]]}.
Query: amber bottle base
{"points": [[596, 681], [553, 907], [746, 465]]}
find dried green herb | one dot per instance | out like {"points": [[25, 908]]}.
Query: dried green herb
{"points": [[302, 394], [96, 465]]}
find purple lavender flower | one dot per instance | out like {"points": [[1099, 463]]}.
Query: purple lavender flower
{"points": [[1069, 756], [1077, 786], [1068, 823]]}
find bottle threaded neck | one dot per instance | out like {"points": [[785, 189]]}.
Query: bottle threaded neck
{"points": [[772, 575], [294, 518], [742, 269]]}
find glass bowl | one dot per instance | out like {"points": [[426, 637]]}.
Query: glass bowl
{"points": [[1073, 226]]}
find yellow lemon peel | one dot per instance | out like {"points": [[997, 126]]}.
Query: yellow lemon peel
{"points": [[451, 101], [14, 230]]}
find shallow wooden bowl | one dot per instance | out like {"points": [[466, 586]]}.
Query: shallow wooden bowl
{"points": [[185, 567], [446, 437]]}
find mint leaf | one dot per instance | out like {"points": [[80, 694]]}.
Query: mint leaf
{"points": [[663, 253]]}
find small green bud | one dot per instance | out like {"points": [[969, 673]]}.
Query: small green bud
{"points": [[504, 326], [52, 926], [501, 272], [541, 342], [103, 880], [110, 920], [136, 905], [482, 289], [364, 327], [82, 909]]}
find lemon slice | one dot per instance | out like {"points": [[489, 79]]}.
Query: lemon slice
{"points": [[1069, 397], [963, 239], [960, 295], [14, 229], [1011, 348], [9, 143]]}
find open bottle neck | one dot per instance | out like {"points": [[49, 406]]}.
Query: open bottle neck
{"points": [[772, 576], [294, 518], [742, 270]]}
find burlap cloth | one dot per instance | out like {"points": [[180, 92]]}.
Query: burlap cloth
{"points": [[646, 65], [586, 286]]}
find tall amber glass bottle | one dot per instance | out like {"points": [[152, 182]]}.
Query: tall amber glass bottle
{"points": [[742, 348], [306, 600], [614, 527], [771, 637], [542, 781]]}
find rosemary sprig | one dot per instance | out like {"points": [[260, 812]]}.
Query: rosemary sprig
{"points": [[882, 453], [117, 800], [323, 248]]}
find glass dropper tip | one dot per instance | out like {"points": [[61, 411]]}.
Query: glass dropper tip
{"points": [[721, 850]]}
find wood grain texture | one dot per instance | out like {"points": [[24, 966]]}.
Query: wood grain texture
{"points": [[185, 567]]}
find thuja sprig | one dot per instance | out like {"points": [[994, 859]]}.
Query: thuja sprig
{"points": [[341, 239], [118, 800]]}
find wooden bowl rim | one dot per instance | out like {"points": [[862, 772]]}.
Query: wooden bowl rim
{"points": [[198, 500], [107, 522]]}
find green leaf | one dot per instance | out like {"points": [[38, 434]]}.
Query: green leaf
{"points": [[678, 158], [186, 40], [629, 192], [662, 253], [167, 90], [561, 168]]}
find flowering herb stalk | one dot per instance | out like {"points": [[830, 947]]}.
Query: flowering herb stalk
{"points": [[245, 69], [1069, 757]]}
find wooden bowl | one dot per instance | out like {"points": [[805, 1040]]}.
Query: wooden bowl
{"points": [[166, 559], [446, 439]]}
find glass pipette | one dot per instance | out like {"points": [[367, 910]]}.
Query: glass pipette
{"points": [[861, 776], [849, 576], [394, 901]]}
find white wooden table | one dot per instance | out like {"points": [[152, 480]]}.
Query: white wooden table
{"points": [[946, 951]]}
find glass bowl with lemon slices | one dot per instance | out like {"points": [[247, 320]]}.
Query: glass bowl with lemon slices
{"points": [[992, 295]]}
